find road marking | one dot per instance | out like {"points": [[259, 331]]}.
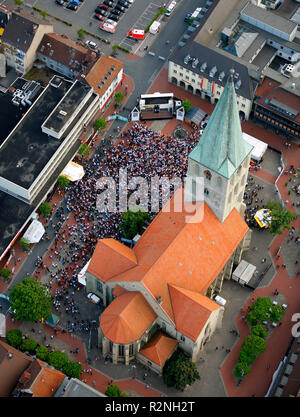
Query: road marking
{"points": [[154, 75]]}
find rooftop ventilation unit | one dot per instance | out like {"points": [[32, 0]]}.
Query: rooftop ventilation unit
{"points": [[203, 67], [187, 58], [159, 299], [221, 76], [63, 113], [238, 84], [213, 71], [195, 62]]}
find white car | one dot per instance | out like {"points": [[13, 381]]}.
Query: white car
{"points": [[93, 298], [91, 44]]}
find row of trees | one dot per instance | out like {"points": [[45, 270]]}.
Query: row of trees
{"points": [[255, 344], [59, 360]]}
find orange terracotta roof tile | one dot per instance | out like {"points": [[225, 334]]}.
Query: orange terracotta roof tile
{"points": [[127, 318], [118, 290], [111, 258], [159, 349], [100, 70], [42, 381], [191, 310]]}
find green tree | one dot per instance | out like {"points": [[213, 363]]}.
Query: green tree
{"points": [[30, 300], [80, 33], [43, 13], [179, 371], [254, 345], [42, 353], [45, 208], [63, 182], [241, 370], [84, 149], [28, 344], [58, 359], [100, 124], [187, 105], [259, 330], [14, 337], [119, 97], [280, 218], [132, 222], [72, 369], [276, 313], [18, 2], [6, 273], [24, 243], [260, 311], [244, 357], [113, 391]]}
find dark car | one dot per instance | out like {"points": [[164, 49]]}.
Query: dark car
{"points": [[60, 2], [124, 4], [120, 8], [103, 6], [114, 17], [116, 12], [108, 3], [101, 11], [99, 17], [72, 6]]}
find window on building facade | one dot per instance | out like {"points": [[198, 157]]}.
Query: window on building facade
{"points": [[182, 338], [193, 80], [131, 349], [99, 286], [175, 72], [207, 175], [187, 78], [121, 350]]}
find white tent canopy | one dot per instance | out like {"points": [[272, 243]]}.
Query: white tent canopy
{"points": [[259, 146], [34, 232], [81, 275], [73, 171]]}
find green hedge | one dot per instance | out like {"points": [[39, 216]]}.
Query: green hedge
{"points": [[114, 47], [160, 12]]}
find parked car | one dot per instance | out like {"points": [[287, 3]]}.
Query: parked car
{"points": [[114, 17], [108, 3], [60, 2], [99, 17], [101, 11], [120, 8], [72, 6], [108, 26], [91, 44], [103, 6], [116, 12], [124, 4], [94, 298]]}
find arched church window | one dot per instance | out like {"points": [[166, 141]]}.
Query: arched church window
{"points": [[207, 175], [206, 192], [219, 182], [236, 189], [197, 170]]}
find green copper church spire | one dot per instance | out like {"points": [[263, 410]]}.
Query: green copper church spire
{"points": [[222, 147]]}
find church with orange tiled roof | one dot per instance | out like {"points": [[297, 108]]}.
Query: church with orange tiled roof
{"points": [[159, 295]]}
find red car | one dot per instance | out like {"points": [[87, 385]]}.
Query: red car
{"points": [[99, 17], [103, 6]]}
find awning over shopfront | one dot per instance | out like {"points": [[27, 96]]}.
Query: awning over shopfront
{"points": [[34, 232], [73, 171]]}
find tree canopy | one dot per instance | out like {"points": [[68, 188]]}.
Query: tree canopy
{"points": [[241, 370], [254, 345], [132, 222], [72, 369], [45, 208], [187, 105], [63, 182], [84, 149], [259, 330], [58, 359], [179, 371], [42, 353], [280, 218], [260, 311], [100, 124], [14, 337], [6, 273], [28, 344], [30, 300], [113, 391], [119, 97]]}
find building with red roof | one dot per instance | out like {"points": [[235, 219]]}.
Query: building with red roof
{"points": [[168, 280]]}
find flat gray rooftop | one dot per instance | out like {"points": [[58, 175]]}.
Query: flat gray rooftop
{"points": [[64, 110], [28, 149]]}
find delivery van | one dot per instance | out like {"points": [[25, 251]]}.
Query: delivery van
{"points": [[136, 34], [154, 28]]}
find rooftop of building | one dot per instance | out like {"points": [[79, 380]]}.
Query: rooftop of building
{"points": [[67, 52], [75, 388], [20, 30], [12, 364], [27, 149], [221, 63], [102, 73], [64, 110], [159, 348]]}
